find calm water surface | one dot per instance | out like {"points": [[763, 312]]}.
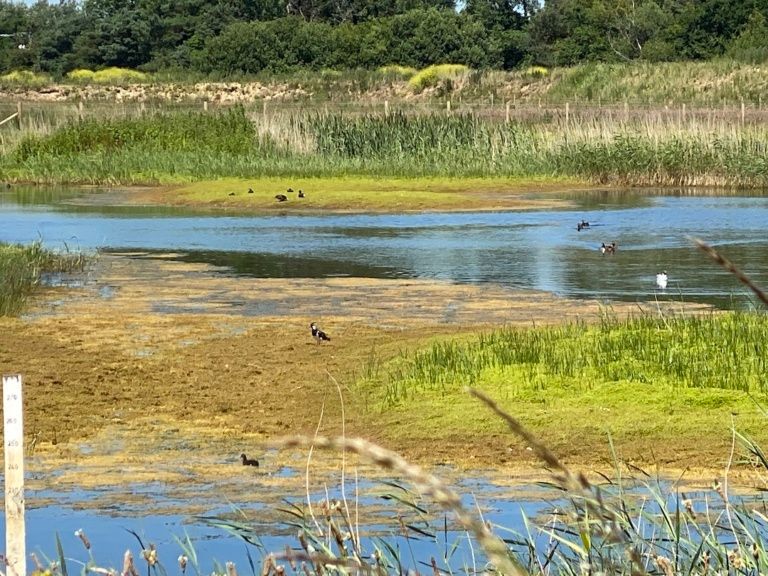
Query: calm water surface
{"points": [[539, 249]]}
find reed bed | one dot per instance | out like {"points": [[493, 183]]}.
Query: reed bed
{"points": [[22, 269], [183, 146], [723, 351]]}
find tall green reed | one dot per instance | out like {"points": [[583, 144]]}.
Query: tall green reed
{"points": [[22, 268], [176, 146]]}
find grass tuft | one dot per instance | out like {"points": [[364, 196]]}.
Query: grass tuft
{"points": [[22, 268]]}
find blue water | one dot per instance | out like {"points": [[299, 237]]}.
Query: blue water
{"points": [[114, 529], [538, 249]]}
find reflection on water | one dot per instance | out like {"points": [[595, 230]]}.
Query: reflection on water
{"points": [[538, 249]]}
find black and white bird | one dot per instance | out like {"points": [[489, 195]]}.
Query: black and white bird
{"points": [[301, 193], [582, 225], [661, 280], [318, 334], [249, 461], [608, 248]]}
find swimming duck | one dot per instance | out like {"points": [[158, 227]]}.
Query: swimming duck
{"points": [[318, 334], [281, 197], [248, 461], [661, 280], [581, 225]]}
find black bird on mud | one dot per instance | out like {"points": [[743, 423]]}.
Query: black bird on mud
{"points": [[250, 190], [231, 193], [318, 334], [248, 461], [289, 191], [281, 197], [301, 193]]}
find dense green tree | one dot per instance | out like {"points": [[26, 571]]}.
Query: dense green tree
{"points": [[752, 44], [338, 11], [56, 28], [499, 14], [118, 34], [14, 30]]}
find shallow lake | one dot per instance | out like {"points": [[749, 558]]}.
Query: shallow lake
{"points": [[536, 249]]}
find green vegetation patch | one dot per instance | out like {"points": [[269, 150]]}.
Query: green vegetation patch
{"points": [[657, 377], [433, 75], [25, 78], [21, 269], [112, 75], [340, 193]]}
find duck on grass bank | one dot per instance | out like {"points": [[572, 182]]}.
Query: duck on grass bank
{"points": [[281, 197]]}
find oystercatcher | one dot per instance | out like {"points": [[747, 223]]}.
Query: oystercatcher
{"points": [[318, 334]]}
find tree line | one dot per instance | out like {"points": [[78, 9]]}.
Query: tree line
{"points": [[233, 37]]}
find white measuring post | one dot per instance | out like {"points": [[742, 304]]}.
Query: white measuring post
{"points": [[13, 433]]}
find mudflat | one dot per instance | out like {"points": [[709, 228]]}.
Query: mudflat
{"points": [[159, 369]]}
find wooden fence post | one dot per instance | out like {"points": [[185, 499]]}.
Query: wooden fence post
{"points": [[507, 113]]}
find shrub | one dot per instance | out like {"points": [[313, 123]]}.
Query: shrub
{"points": [[397, 70], [25, 78], [81, 75], [433, 75], [111, 75], [536, 71], [119, 75]]}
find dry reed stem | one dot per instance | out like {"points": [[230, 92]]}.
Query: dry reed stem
{"points": [[427, 483], [317, 559], [731, 267], [575, 483]]}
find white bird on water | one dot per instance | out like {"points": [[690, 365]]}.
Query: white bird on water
{"points": [[661, 280]]}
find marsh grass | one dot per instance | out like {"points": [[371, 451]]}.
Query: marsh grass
{"points": [[150, 146], [723, 351], [22, 268]]}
